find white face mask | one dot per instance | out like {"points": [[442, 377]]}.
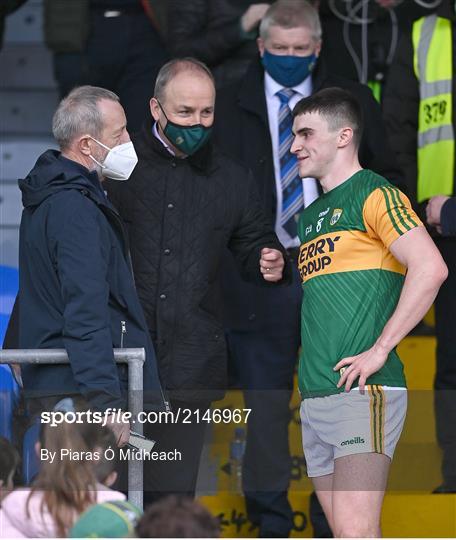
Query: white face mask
{"points": [[120, 161]]}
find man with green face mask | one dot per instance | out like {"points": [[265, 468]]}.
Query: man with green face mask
{"points": [[185, 203]]}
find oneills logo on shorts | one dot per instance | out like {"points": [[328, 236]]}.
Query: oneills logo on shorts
{"points": [[355, 440], [336, 216]]}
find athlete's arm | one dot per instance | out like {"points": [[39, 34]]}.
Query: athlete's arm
{"points": [[426, 271]]}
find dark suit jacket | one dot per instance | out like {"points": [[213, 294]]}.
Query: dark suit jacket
{"points": [[242, 130]]}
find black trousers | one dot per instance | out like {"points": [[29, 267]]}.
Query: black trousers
{"points": [[445, 378], [162, 478], [265, 362]]}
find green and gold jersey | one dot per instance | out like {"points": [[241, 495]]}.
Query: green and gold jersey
{"points": [[350, 279]]}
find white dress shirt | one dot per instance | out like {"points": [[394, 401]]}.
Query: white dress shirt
{"points": [[165, 144], [309, 185]]}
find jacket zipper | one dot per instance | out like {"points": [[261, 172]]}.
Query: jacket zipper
{"points": [[167, 405], [123, 330]]}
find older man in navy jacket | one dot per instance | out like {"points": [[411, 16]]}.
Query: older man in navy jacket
{"points": [[76, 289]]}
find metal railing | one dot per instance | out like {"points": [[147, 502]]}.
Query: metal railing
{"points": [[135, 359]]}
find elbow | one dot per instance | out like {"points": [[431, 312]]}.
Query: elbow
{"points": [[434, 272], [443, 272], [440, 272]]}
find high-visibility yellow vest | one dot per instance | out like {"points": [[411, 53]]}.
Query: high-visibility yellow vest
{"points": [[433, 65]]}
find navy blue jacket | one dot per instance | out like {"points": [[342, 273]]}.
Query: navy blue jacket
{"points": [[76, 289]]}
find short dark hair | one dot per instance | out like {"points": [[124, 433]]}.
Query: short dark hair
{"points": [[177, 517], [9, 460], [338, 106]]}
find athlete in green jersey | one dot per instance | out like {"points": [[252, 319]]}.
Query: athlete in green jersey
{"points": [[369, 273], [351, 281]]}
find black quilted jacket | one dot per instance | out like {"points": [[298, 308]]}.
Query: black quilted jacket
{"points": [[181, 214]]}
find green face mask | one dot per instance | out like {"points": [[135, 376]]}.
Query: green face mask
{"points": [[188, 139]]}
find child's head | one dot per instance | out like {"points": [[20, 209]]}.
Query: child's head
{"points": [[177, 517], [113, 519], [70, 481], [88, 441], [9, 460]]}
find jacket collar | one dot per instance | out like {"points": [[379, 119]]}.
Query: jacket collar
{"points": [[251, 94], [147, 145], [95, 188], [90, 176]]}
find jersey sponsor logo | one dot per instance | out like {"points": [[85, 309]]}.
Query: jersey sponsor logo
{"points": [[323, 214], [336, 216], [315, 256], [355, 440]]}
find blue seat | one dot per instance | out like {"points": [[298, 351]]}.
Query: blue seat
{"points": [[9, 396], [30, 461], [9, 390], [9, 285]]}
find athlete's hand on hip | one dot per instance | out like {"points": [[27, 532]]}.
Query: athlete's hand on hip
{"points": [[362, 365], [271, 264]]}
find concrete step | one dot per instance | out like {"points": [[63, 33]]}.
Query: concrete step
{"points": [[10, 205], [27, 112], [18, 155], [26, 66], [9, 247], [26, 24]]}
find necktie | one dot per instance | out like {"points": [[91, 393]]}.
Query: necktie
{"points": [[291, 183]]}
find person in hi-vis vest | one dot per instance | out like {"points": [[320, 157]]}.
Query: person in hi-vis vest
{"points": [[419, 110]]}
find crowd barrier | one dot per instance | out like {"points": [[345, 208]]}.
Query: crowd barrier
{"points": [[135, 359]]}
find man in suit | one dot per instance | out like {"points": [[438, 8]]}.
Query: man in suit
{"points": [[253, 121]]}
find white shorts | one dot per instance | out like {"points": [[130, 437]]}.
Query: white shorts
{"points": [[351, 423]]}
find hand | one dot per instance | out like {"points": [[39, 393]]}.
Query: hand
{"points": [[120, 429], [362, 365], [271, 264], [252, 16], [434, 209]]}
